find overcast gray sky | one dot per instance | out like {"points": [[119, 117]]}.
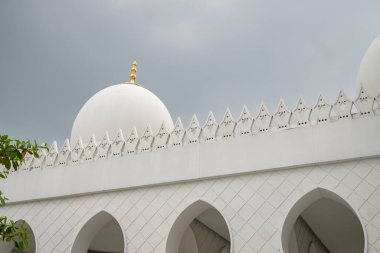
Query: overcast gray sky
{"points": [[195, 55]]}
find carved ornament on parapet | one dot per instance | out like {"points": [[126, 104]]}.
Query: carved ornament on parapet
{"points": [[39, 162], [209, 129], [245, 122], [51, 158], [177, 135], [64, 153], [227, 126], [104, 147], [193, 131], [263, 119], [364, 102], [28, 162], [146, 140], [302, 113], [118, 144], [161, 138], [132, 142], [343, 106], [322, 109], [90, 150], [282, 116], [77, 152]]}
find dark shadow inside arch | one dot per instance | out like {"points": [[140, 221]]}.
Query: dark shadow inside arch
{"points": [[200, 228], [323, 222], [101, 234], [8, 247]]}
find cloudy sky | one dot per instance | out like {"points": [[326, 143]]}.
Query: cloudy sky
{"points": [[195, 55]]}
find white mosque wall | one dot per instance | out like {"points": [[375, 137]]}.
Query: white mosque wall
{"points": [[254, 205], [254, 171]]}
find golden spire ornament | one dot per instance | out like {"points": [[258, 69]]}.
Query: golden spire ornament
{"points": [[132, 75]]}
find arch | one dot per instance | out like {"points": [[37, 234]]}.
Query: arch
{"points": [[199, 216], [332, 222], [101, 233], [8, 247]]}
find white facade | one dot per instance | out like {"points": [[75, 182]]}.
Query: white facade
{"points": [[255, 184]]}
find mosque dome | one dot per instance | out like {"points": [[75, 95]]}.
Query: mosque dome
{"points": [[122, 106], [369, 70]]}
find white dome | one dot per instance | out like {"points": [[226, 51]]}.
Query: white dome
{"points": [[369, 70], [121, 106]]}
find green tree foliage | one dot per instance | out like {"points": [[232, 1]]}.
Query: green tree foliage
{"points": [[12, 154]]}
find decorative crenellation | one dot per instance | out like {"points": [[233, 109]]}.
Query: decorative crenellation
{"points": [[212, 131], [132, 142], [118, 144], [244, 124], [90, 151], [177, 135], [161, 139], [146, 140], [104, 147]]}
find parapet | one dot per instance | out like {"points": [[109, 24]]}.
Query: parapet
{"points": [[211, 131]]}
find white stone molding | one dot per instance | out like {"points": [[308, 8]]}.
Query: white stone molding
{"points": [[245, 122], [227, 126], [39, 162], [27, 164], [51, 158], [193, 131], [210, 128], [364, 102], [282, 116], [90, 150], [177, 135], [146, 140], [161, 139], [104, 147], [118, 144], [77, 152], [322, 110], [343, 106], [64, 154], [131, 143], [263, 119], [302, 113]]}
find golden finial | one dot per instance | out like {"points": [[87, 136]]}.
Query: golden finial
{"points": [[132, 75]]}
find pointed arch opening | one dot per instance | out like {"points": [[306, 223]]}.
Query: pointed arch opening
{"points": [[199, 228], [321, 221], [9, 247], [101, 234]]}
